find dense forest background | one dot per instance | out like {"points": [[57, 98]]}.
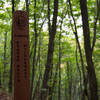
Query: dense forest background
{"points": [[64, 48]]}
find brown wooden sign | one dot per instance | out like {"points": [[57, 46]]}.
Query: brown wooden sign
{"points": [[21, 56]]}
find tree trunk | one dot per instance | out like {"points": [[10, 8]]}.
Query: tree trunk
{"points": [[85, 92], [54, 82], [5, 60], [77, 64], [88, 52], [49, 28], [69, 74], [59, 62], [49, 63], [27, 6], [36, 91], [49, 24], [11, 64], [37, 88], [35, 46], [0, 79]]}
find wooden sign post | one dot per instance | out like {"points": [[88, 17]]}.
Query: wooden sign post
{"points": [[21, 56]]}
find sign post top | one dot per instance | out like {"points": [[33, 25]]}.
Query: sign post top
{"points": [[21, 12], [21, 22]]}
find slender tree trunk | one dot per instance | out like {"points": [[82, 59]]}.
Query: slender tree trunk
{"points": [[54, 82], [49, 63], [27, 6], [85, 92], [0, 79], [97, 13], [37, 88], [50, 87], [49, 24], [5, 60], [66, 97], [88, 51], [77, 64], [67, 82], [69, 75], [36, 91], [49, 28], [59, 87], [59, 62], [35, 46], [11, 64]]}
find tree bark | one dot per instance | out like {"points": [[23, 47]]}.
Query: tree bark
{"points": [[0, 79], [85, 92], [54, 82], [95, 24], [11, 64], [5, 60], [37, 88], [27, 6], [49, 24], [59, 62], [35, 46], [49, 63], [88, 51], [69, 74], [77, 64]]}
